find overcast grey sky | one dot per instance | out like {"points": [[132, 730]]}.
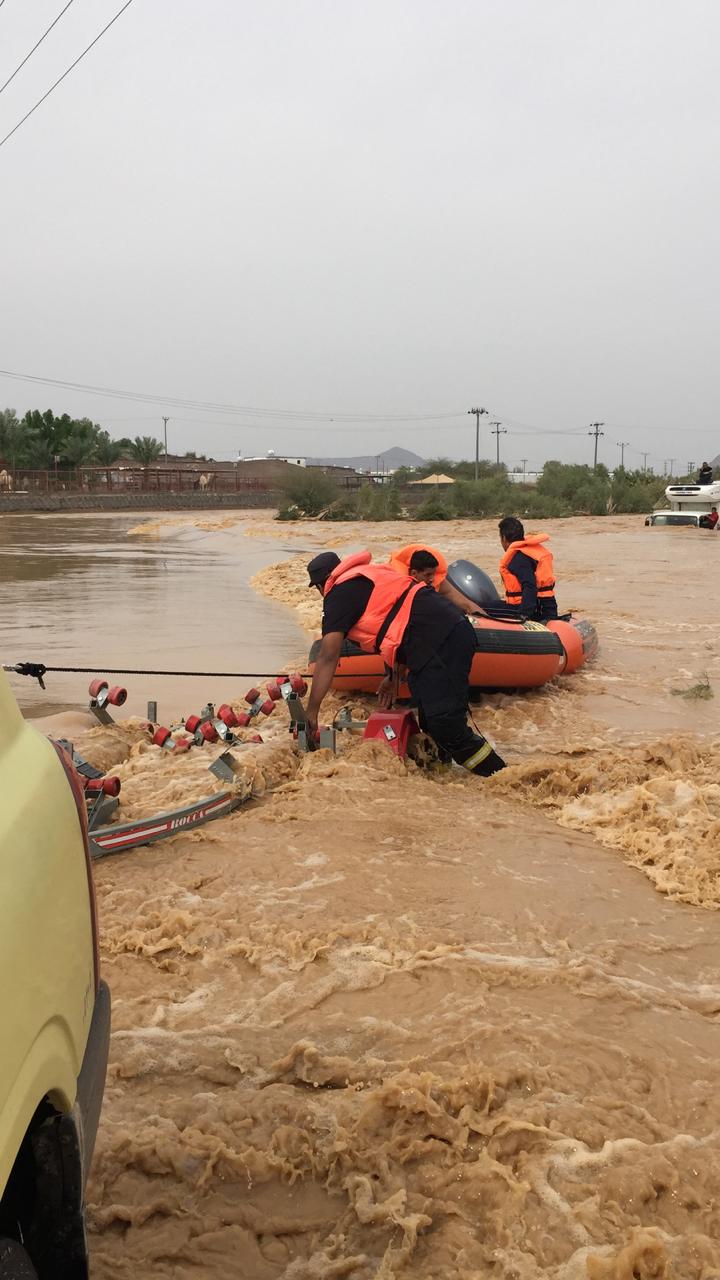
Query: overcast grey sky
{"points": [[369, 207]]}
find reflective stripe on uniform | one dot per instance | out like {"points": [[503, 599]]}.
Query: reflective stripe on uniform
{"points": [[478, 757]]}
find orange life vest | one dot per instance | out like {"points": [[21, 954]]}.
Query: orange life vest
{"points": [[384, 622], [400, 560], [532, 546]]}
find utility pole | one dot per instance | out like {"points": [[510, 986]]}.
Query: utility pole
{"points": [[645, 458], [672, 467], [524, 462], [498, 432], [622, 446], [477, 413], [595, 431], [690, 468], [165, 421]]}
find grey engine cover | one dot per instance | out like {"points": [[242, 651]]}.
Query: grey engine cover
{"points": [[472, 582]]}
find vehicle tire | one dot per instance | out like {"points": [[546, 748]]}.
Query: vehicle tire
{"points": [[15, 1263]]}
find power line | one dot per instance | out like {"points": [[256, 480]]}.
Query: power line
{"points": [[213, 407], [65, 73], [35, 46]]}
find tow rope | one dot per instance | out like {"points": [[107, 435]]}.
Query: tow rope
{"points": [[37, 670]]}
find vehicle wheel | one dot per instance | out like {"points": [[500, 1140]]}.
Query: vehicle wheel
{"points": [[15, 1263]]}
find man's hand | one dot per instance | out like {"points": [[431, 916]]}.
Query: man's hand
{"points": [[311, 725], [386, 693], [388, 689], [325, 665]]}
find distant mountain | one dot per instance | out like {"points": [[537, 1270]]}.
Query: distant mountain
{"points": [[389, 459]]}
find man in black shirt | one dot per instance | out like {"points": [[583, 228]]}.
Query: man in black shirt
{"points": [[437, 647]]}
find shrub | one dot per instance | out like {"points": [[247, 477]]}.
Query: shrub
{"points": [[491, 496], [538, 506], [581, 488], [378, 502], [635, 491], [309, 492], [344, 508], [433, 509]]}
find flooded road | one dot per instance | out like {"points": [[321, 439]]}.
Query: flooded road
{"points": [[388, 1023], [85, 590]]}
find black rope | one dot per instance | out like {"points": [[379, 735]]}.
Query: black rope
{"points": [[38, 669]]}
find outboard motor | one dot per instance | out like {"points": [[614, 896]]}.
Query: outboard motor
{"points": [[472, 582]]}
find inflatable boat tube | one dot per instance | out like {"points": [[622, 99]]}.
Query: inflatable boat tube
{"points": [[579, 639], [508, 656]]}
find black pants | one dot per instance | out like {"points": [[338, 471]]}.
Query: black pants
{"points": [[440, 689]]}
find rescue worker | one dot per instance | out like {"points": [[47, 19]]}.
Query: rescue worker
{"points": [[411, 626], [705, 474], [424, 568], [425, 564], [418, 559], [527, 571]]}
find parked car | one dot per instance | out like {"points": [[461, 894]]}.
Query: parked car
{"points": [[54, 1009]]}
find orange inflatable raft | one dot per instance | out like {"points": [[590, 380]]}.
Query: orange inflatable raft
{"points": [[510, 655]]}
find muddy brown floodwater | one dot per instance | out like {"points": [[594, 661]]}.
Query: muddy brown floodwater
{"points": [[386, 1023]]}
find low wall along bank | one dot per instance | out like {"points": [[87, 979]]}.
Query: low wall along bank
{"points": [[17, 503]]}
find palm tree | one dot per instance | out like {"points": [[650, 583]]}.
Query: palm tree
{"points": [[80, 447], [146, 450], [108, 450]]}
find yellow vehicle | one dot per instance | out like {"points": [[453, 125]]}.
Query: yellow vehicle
{"points": [[54, 1010]]}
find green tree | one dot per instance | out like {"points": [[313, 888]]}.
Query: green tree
{"points": [[403, 475], [581, 488], [146, 450], [466, 470], [107, 450], [47, 433], [81, 442], [13, 440], [8, 428]]}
